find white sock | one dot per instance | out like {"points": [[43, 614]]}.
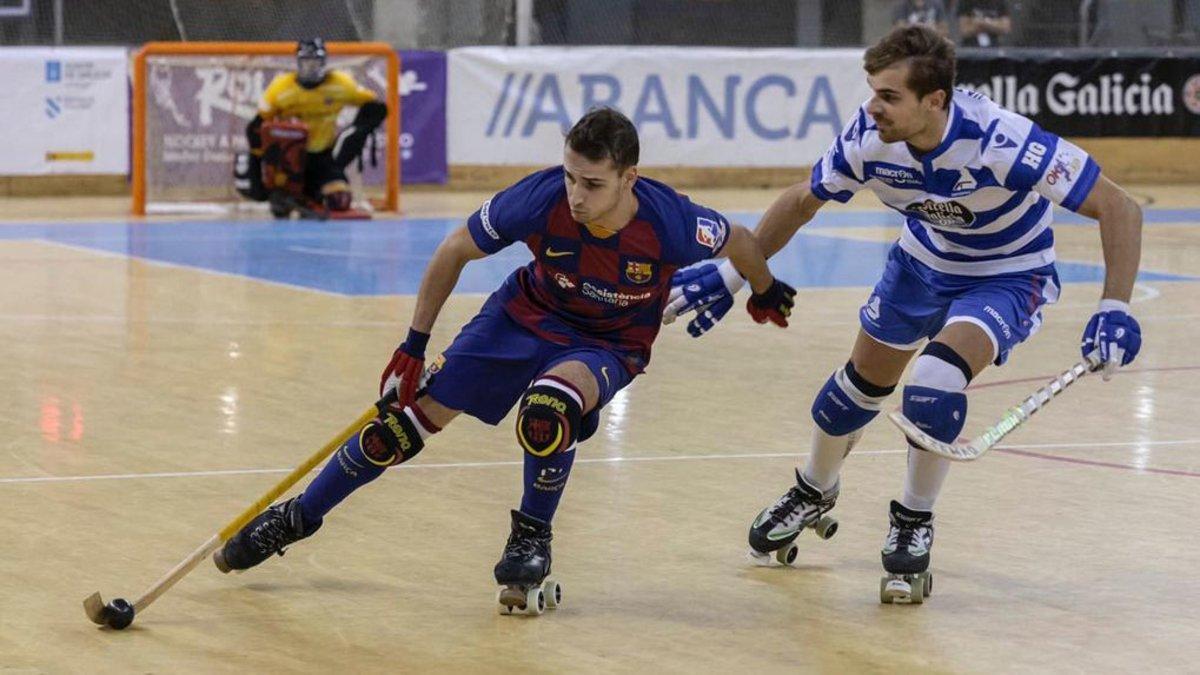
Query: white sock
{"points": [[826, 458], [829, 452], [927, 471]]}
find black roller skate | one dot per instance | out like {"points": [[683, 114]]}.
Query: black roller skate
{"points": [[524, 569], [270, 532], [775, 529], [906, 556]]}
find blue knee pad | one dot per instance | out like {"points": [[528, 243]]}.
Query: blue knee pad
{"points": [[937, 412], [838, 412]]}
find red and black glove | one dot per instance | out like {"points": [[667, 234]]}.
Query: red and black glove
{"points": [[404, 370], [774, 305]]}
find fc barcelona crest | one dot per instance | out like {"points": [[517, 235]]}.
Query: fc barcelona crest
{"points": [[638, 272]]}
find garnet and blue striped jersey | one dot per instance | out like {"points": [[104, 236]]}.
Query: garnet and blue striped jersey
{"points": [[587, 285], [980, 202]]}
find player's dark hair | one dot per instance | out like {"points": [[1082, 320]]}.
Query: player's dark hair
{"points": [[605, 133], [931, 61]]}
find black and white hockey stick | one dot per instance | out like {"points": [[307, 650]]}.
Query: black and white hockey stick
{"points": [[1015, 417]]}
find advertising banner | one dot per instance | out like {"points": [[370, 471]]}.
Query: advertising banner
{"points": [[66, 110], [422, 117], [1093, 93], [197, 108], [693, 107]]}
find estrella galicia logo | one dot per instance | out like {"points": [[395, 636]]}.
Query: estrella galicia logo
{"points": [[53, 71], [942, 214], [1003, 142], [53, 107]]}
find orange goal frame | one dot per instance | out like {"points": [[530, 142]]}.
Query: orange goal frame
{"points": [[378, 49]]}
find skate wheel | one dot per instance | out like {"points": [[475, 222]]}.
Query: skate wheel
{"points": [[895, 588], [917, 596], [787, 555], [928, 585], [826, 527], [535, 601], [553, 593]]}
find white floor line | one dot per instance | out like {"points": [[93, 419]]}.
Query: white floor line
{"points": [[583, 460]]}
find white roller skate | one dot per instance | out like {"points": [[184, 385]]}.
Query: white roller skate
{"points": [[773, 533], [906, 557]]}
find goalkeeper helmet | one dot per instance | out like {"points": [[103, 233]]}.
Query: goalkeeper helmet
{"points": [[310, 62]]}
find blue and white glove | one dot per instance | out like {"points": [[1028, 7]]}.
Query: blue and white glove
{"points": [[707, 290], [1112, 336]]}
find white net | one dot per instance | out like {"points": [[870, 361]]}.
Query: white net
{"points": [[197, 108]]}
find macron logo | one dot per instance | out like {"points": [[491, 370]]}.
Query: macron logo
{"points": [[487, 222]]}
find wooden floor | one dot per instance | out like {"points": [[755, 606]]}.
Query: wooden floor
{"points": [[145, 404]]}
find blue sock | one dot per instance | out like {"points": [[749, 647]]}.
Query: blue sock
{"points": [[545, 480], [348, 470]]}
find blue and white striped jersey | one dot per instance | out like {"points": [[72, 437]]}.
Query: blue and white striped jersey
{"points": [[979, 203]]}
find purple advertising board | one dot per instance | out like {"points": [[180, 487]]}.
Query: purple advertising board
{"points": [[197, 110], [422, 117]]}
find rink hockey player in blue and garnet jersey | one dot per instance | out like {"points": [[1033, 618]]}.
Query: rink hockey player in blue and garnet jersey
{"points": [[559, 338]]}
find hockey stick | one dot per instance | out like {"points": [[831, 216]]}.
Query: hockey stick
{"points": [[1015, 417], [119, 613]]}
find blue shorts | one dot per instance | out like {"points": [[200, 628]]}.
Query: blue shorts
{"points": [[494, 360], [912, 302]]}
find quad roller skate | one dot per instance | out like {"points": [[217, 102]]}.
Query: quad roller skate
{"points": [[773, 533], [906, 557], [524, 569], [271, 531]]}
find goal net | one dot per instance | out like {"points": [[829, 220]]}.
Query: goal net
{"points": [[191, 104]]}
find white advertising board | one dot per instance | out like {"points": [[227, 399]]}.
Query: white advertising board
{"points": [[65, 110], [696, 107]]}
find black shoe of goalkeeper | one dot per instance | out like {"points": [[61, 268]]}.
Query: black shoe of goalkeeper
{"points": [[268, 534]]}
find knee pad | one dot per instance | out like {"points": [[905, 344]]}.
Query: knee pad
{"points": [[937, 412], [548, 421], [847, 402], [389, 439], [589, 425]]}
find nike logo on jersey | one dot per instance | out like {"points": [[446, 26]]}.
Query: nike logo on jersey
{"points": [[551, 253], [604, 372]]}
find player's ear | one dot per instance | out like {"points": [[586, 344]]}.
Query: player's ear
{"points": [[629, 176], [936, 99]]}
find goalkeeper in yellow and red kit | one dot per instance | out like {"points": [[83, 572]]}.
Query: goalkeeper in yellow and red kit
{"points": [[297, 157]]}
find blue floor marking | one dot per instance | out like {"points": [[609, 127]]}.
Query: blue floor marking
{"points": [[387, 257]]}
